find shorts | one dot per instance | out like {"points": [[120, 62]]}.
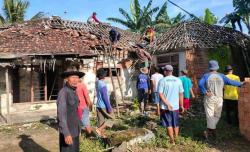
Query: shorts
{"points": [[186, 103], [142, 95], [85, 117], [169, 118], [156, 98], [103, 118]]}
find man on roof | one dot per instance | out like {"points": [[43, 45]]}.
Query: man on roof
{"points": [[93, 19], [149, 34]]}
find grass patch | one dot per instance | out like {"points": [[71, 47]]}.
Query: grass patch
{"points": [[91, 145], [191, 134]]}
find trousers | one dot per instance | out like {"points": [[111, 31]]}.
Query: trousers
{"points": [[69, 148], [213, 107]]}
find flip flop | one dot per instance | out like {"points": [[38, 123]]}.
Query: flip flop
{"points": [[98, 135]]}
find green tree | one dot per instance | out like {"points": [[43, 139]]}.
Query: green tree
{"points": [[243, 8], [209, 17], [14, 11], [138, 18]]}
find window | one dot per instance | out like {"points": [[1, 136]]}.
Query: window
{"points": [[113, 71], [172, 59]]}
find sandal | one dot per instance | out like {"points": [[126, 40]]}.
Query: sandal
{"points": [[205, 134]]}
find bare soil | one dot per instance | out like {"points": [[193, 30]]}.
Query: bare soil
{"points": [[33, 137]]}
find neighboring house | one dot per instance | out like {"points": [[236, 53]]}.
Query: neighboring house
{"points": [[34, 54], [186, 46]]}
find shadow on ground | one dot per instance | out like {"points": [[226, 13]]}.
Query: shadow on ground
{"points": [[27, 144]]}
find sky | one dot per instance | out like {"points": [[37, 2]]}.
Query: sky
{"points": [[80, 10]]}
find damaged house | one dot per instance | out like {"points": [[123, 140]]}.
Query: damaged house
{"points": [[188, 44], [34, 54]]}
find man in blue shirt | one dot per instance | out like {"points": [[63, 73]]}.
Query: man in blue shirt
{"points": [[143, 88], [211, 86], [103, 106], [171, 94]]}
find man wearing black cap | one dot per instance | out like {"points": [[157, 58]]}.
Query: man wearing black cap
{"points": [[67, 104], [231, 97]]}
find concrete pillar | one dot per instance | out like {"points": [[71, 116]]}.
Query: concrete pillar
{"points": [[7, 93]]}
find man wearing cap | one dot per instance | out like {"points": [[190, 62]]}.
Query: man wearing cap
{"points": [[67, 105], [231, 97], [187, 85], [211, 85], [171, 94]]}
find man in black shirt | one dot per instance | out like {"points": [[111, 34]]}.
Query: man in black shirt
{"points": [[67, 103]]}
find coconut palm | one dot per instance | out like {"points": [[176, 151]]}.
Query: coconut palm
{"points": [[139, 18], [14, 11], [232, 18], [243, 8]]}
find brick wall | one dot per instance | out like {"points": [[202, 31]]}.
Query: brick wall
{"points": [[244, 110], [197, 65]]}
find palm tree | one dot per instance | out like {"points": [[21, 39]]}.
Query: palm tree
{"points": [[243, 8], [232, 18], [14, 11], [139, 19]]}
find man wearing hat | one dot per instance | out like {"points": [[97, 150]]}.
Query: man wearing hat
{"points": [[231, 97], [187, 86], [67, 105], [143, 83], [211, 85], [171, 94]]}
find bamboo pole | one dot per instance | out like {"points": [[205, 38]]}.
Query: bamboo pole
{"points": [[118, 79], [112, 79], [7, 94], [45, 86], [31, 85]]}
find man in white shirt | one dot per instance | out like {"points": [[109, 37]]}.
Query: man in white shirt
{"points": [[155, 78]]}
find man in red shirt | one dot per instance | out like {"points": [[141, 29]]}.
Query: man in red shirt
{"points": [[85, 105], [93, 19]]}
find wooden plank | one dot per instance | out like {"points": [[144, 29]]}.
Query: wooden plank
{"points": [[118, 79], [112, 80]]}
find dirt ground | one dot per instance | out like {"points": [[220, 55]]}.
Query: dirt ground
{"points": [[43, 137], [32, 137]]}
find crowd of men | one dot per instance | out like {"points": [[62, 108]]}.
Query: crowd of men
{"points": [[171, 96]]}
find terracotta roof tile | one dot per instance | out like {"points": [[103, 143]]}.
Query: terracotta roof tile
{"points": [[57, 37]]}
